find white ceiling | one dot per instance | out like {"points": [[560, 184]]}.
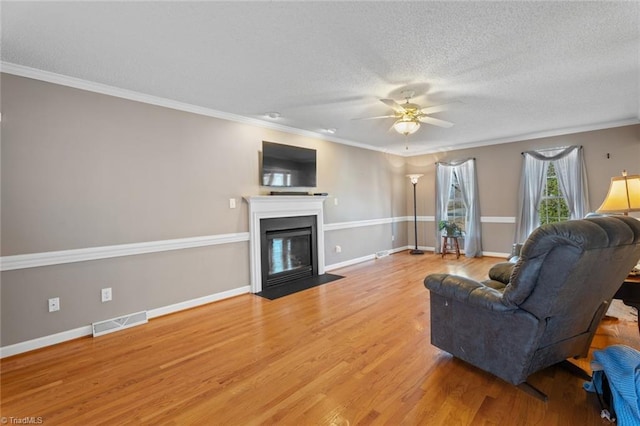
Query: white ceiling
{"points": [[514, 70]]}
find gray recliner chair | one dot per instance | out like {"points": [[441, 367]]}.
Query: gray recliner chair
{"points": [[541, 310]]}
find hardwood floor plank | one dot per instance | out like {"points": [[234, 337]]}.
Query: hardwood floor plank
{"points": [[354, 351]]}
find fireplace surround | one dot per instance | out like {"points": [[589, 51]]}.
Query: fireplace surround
{"points": [[285, 208]]}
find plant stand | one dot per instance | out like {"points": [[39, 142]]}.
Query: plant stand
{"points": [[453, 244]]}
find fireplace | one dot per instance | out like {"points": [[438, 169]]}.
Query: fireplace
{"points": [[287, 208], [288, 249]]}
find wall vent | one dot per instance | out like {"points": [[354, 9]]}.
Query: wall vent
{"points": [[382, 253], [120, 323]]}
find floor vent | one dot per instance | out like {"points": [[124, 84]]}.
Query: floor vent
{"points": [[382, 253], [120, 323]]}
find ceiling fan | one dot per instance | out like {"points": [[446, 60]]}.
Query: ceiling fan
{"points": [[409, 115]]}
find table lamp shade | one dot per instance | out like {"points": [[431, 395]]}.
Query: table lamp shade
{"points": [[623, 195]]}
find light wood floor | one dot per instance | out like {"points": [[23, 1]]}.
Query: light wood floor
{"points": [[355, 351]]}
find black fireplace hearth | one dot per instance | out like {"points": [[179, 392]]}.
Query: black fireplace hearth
{"points": [[278, 291]]}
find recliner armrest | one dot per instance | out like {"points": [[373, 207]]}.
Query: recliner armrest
{"points": [[501, 272], [466, 290]]}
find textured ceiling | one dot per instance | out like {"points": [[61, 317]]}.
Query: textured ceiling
{"points": [[512, 70]]}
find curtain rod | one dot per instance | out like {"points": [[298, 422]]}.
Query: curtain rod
{"points": [[457, 161], [549, 149]]}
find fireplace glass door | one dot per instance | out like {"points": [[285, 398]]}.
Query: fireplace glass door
{"points": [[288, 249], [289, 255]]}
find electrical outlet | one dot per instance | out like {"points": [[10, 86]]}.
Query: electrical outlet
{"points": [[338, 249], [335, 201], [393, 238], [106, 294], [232, 203], [54, 304]]}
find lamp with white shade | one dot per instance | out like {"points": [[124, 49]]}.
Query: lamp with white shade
{"points": [[406, 125], [623, 196]]}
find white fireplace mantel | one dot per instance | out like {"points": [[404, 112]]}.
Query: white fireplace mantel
{"points": [[271, 206]]}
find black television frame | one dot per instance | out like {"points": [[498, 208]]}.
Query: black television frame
{"points": [[288, 166]]}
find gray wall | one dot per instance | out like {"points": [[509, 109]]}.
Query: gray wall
{"points": [[81, 169], [499, 168]]}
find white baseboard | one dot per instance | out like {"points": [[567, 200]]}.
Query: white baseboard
{"points": [[423, 248], [399, 249], [349, 262], [484, 253], [495, 254], [76, 333], [193, 303], [64, 336], [364, 259], [44, 341]]}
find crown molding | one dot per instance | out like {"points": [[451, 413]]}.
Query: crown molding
{"points": [[529, 136], [77, 83], [90, 86]]}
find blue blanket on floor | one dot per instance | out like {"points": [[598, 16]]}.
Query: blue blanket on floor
{"points": [[621, 364]]}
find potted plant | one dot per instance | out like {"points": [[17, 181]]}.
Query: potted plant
{"points": [[450, 228]]}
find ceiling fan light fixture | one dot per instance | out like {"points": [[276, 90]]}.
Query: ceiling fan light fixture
{"points": [[406, 125]]}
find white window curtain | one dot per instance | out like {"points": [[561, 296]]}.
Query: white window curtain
{"points": [[572, 179], [444, 176], [468, 182]]}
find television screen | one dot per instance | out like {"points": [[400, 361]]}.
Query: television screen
{"points": [[288, 166]]}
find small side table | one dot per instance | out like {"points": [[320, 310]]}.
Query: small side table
{"points": [[629, 293], [453, 241]]}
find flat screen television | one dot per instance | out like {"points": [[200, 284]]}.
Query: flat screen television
{"points": [[288, 166]]}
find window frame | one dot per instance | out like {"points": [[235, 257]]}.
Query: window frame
{"points": [[552, 194]]}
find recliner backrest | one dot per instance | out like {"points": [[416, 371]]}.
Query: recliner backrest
{"points": [[566, 270]]}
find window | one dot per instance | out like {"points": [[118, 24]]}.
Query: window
{"points": [[457, 200], [553, 205], [553, 188], [456, 210]]}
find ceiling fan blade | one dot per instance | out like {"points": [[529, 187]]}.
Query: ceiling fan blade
{"points": [[438, 108], [435, 121], [434, 109], [393, 104], [374, 118]]}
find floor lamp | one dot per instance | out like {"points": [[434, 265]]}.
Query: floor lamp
{"points": [[414, 181]]}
